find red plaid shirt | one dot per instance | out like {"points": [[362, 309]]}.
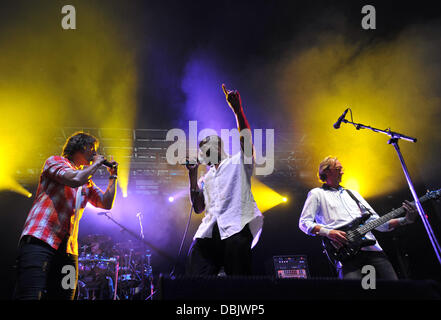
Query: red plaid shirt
{"points": [[50, 217]]}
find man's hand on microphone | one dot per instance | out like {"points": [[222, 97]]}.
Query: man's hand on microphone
{"points": [[197, 197], [98, 159], [114, 169], [192, 166]]}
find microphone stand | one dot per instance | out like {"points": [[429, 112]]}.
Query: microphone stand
{"points": [[141, 234], [394, 138], [138, 237]]}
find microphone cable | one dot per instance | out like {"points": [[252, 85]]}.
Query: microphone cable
{"points": [[182, 242], [352, 120]]}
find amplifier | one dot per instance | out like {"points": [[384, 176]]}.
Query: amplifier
{"points": [[291, 267]]}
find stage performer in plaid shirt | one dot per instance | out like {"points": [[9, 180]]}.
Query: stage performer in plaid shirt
{"points": [[48, 243]]}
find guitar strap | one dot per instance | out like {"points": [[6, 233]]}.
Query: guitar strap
{"points": [[359, 204], [337, 264]]}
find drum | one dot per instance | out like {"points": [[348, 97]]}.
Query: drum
{"points": [[97, 268], [104, 267]]}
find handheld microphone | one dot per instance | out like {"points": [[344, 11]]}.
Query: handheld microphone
{"points": [[109, 164], [339, 121], [187, 162]]}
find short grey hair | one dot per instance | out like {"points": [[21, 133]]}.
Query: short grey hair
{"points": [[324, 165]]}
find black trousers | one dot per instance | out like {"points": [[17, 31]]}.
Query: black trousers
{"points": [[40, 271], [383, 268], [207, 255]]}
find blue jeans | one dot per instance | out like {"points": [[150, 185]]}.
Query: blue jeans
{"points": [[39, 271]]}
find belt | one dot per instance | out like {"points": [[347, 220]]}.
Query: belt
{"points": [[32, 240]]}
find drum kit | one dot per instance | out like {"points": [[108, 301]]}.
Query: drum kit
{"points": [[118, 271]]}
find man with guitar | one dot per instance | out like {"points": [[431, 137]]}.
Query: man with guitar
{"points": [[331, 207]]}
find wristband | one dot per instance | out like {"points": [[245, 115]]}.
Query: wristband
{"points": [[323, 232], [403, 221]]}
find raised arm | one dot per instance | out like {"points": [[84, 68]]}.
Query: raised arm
{"points": [[235, 103]]}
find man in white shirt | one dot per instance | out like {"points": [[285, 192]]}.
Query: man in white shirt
{"points": [[331, 206], [232, 223]]}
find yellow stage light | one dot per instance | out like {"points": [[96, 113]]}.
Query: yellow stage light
{"points": [[8, 183], [52, 78], [265, 197], [352, 183], [385, 84]]}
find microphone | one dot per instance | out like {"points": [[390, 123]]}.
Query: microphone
{"points": [[109, 164], [187, 162], [339, 121], [102, 213]]}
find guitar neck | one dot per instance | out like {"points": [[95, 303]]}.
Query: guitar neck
{"points": [[393, 214]]}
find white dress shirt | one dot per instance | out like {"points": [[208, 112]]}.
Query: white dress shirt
{"points": [[229, 201], [332, 208]]}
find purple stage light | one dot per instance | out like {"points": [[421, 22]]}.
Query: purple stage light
{"points": [[205, 100], [161, 230]]}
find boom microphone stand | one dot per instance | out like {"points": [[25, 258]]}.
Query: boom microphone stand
{"points": [[139, 215], [137, 237], [394, 138], [140, 238]]}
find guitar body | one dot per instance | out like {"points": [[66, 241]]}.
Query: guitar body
{"points": [[356, 241], [357, 228]]}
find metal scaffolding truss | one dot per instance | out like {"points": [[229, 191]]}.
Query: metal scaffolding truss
{"points": [[149, 168]]}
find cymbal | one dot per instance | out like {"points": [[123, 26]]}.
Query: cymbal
{"points": [[135, 246], [129, 244], [96, 238]]}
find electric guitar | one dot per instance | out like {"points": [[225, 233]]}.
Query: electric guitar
{"points": [[357, 228]]}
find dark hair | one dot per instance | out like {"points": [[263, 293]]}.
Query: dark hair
{"points": [[78, 142]]}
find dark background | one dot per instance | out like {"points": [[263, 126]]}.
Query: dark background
{"points": [[242, 34]]}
